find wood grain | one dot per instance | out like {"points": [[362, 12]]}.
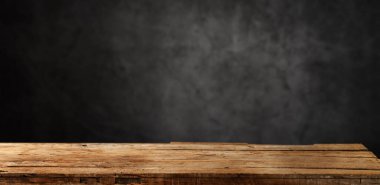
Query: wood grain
{"points": [[187, 163]]}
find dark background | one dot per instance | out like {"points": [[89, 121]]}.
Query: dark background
{"points": [[257, 71]]}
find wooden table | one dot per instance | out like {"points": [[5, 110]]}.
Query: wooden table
{"points": [[187, 163]]}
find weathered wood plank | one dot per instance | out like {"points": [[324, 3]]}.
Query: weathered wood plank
{"points": [[193, 146], [186, 163]]}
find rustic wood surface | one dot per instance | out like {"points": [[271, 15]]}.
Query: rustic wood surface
{"points": [[187, 163]]}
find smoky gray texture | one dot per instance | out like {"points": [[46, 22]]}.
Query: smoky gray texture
{"points": [[258, 71]]}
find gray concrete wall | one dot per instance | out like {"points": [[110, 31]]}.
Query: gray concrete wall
{"points": [[259, 71]]}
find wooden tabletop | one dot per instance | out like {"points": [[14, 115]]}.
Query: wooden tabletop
{"points": [[186, 163]]}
